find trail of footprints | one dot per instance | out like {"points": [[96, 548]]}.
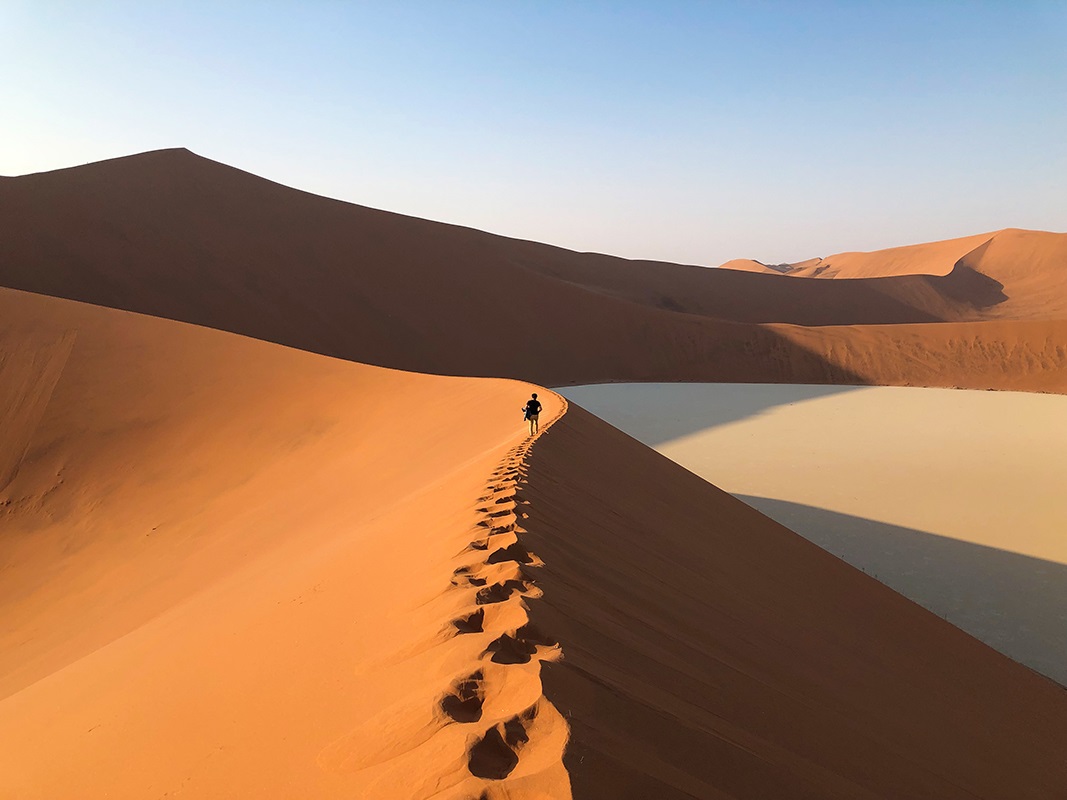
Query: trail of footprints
{"points": [[501, 700]]}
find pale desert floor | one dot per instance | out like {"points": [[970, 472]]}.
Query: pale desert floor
{"points": [[957, 499]]}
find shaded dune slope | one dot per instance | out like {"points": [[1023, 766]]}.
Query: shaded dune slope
{"points": [[709, 652], [1016, 355], [234, 569], [143, 232], [174, 235]]}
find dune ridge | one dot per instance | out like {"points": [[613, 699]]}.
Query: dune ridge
{"points": [[502, 737], [236, 569], [233, 568], [670, 609], [930, 258], [223, 560], [1008, 274], [174, 235], [952, 498]]}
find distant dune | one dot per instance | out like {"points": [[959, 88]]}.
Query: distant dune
{"points": [[932, 258], [1010, 274], [235, 569], [174, 235], [222, 559], [285, 563]]}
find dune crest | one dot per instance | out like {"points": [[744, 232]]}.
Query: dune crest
{"points": [[490, 724], [230, 566], [1009, 274], [713, 653], [175, 235]]}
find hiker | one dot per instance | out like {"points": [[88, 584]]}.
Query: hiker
{"points": [[530, 412]]}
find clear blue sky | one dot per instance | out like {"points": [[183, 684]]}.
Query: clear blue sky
{"points": [[693, 132]]}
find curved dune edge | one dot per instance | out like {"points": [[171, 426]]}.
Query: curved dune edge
{"points": [[491, 733], [928, 258], [1011, 274], [178, 236], [713, 653], [227, 571], [233, 569], [914, 500]]}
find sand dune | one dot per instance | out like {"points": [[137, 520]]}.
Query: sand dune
{"points": [[931, 258], [711, 653], [234, 569], [224, 560], [1009, 274], [1014, 355], [955, 499], [174, 235]]}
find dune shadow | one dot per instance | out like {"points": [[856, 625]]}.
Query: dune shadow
{"points": [[1014, 603], [966, 284], [655, 413]]}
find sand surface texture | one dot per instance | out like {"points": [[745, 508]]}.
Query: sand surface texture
{"points": [[233, 569], [955, 499], [171, 234], [709, 652]]}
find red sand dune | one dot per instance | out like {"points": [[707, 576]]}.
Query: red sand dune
{"points": [[175, 235], [932, 258], [1018, 355], [1010, 274], [223, 558], [709, 652], [235, 569]]}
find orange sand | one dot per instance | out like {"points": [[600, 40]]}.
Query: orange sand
{"points": [[228, 570], [171, 234], [233, 569], [952, 498], [237, 570], [709, 652]]}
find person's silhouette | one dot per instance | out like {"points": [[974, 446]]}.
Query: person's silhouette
{"points": [[530, 412]]}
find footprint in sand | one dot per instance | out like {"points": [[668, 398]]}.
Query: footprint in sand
{"points": [[513, 552], [496, 754], [499, 592], [472, 623], [520, 648], [464, 702]]}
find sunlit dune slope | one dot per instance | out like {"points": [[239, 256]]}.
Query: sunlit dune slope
{"points": [[1032, 266], [171, 234], [930, 258], [221, 558], [231, 568], [1010, 274], [237, 570], [709, 652]]}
